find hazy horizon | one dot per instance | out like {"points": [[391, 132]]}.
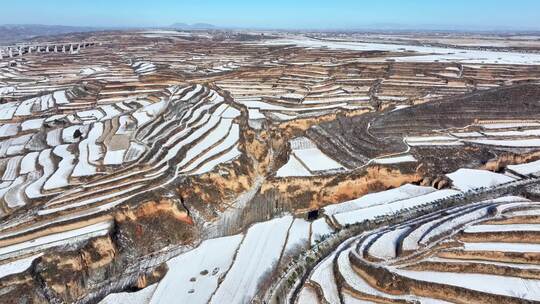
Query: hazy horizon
{"points": [[280, 14]]}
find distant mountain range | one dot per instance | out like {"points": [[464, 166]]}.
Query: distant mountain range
{"points": [[10, 33], [195, 26]]}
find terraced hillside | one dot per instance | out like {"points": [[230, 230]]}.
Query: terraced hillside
{"points": [[448, 255], [235, 167]]}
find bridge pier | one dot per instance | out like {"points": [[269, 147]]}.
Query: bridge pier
{"points": [[20, 50]]}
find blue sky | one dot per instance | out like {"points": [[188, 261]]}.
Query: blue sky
{"points": [[300, 14]]}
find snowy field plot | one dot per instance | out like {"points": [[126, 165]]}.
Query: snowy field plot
{"points": [[498, 285], [519, 143], [293, 168], [307, 160], [527, 168], [503, 134], [315, 160], [17, 266], [298, 237], [395, 160], [323, 278], [57, 239], [144, 68], [391, 207], [510, 125], [379, 198], [319, 230], [433, 141], [194, 276], [258, 253], [142, 296], [470, 179]]}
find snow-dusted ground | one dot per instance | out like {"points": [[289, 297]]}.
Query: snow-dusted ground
{"points": [[387, 209], [306, 160], [92, 70], [469, 179], [526, 169], [357, 283], [395, 160], [502, 228], [320, 229], [455, 218], [144, 68], [261, 105], [452, 224], [245, 260], [307, 296], [255, 114], [315, 160], [32, 124], [466, 134], [531, 132], [229, 141], [501, 285], [425, 53], [60, 97], [224, 158], [379, 198], [385, 246], [532, 142], [503, 247], [17, 266], [7, 90], [507, 125], [323, 275], [56, 239], [60, 178], [142, 296], [505, 264], [257, 255], [193, 277], [432, 141], [298, 238], [293, 168]]}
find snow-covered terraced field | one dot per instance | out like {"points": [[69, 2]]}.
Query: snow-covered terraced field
{"points": [[230, 269], [307, 160], [470, 179], [511, 135], [90, 161], [296, 93], [209, 166], [449, 248], [445, 256]]}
